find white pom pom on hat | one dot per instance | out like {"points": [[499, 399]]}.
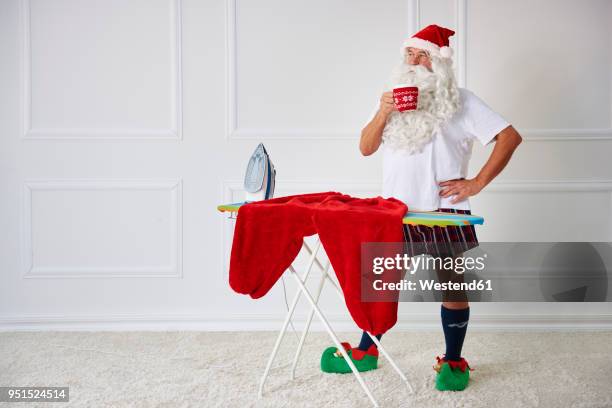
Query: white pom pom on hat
{"points": [[432, 38], [446, 52]]}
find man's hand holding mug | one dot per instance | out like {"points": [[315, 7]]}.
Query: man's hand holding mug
{"points": [[387, 103]]}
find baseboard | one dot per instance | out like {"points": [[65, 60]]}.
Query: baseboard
{"points": [[265, 322]]}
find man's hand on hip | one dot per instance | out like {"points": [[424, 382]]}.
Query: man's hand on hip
{"points": [[460, 188]]}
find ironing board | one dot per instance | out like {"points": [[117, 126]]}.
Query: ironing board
{"points": [[427, 218]]}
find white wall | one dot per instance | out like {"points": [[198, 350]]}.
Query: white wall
{"points": [[124, 123]]}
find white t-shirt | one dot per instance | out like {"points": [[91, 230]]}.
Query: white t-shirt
{"points": [[414, 178]]}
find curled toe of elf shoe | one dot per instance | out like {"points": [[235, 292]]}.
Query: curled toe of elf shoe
{"points": [[332, 360], [452, 375]]}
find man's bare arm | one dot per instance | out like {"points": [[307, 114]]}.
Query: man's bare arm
{"points": [[371, 135], [506, 143]]}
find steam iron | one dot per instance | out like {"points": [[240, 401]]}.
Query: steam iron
{"points": [[260, 175]]}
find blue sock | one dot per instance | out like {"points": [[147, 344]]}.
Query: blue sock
{"points": [[454, 324], [366, 341]]}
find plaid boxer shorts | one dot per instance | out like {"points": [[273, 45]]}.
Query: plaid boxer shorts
{"points": [[440, 241]]}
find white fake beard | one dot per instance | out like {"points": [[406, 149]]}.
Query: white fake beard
{"points": [[438, 101]]}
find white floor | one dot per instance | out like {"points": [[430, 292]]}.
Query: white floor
{"points": [[200, 369]]}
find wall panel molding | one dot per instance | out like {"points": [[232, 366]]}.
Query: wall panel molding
{"points": [[529, 134], [172, 187], [561, 135], [173, 133], [461, 41], [539, 186], [232, 130], [272, 321]]}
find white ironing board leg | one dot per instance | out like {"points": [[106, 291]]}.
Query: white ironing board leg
{"points": [[308, 321], [279, 339], [333, 336], [307, 248]]}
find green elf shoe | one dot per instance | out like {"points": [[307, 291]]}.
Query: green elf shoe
{"points": [[452, 375], [332, 360]]}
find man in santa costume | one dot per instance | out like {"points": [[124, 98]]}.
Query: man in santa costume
{"points": [[425, 161]]}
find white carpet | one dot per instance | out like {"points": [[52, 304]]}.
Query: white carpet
{"points": [[200, 369]]}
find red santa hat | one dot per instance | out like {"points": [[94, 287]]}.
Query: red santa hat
{"points": [[432, 38]]}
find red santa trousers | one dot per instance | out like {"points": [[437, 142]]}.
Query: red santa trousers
{"points": [[269, 235]]}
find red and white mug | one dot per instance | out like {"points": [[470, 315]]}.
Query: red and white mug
{"points": [[406, 97]]}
